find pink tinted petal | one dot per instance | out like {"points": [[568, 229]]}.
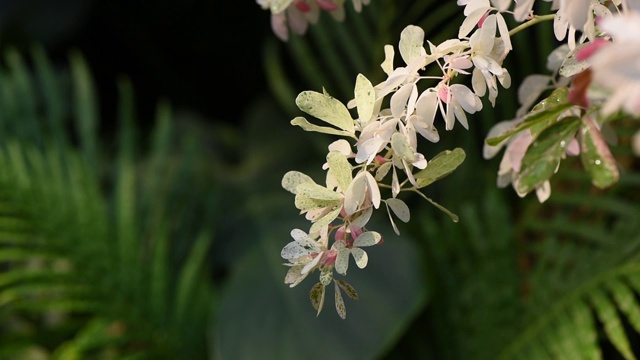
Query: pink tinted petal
{"points": [[482, 19], [327, 5], [590, 49], [279, 26]]}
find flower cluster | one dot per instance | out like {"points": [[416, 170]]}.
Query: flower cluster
{"points": [[297, 14], [594, 78]]}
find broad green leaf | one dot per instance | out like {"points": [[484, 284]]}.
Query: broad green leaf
{"points": [[340, 168], [316, 191], [292, 179], [544, 154], [596, 156], [340, 308], [411, 43], [307, 126], [326, 108], [365, 96], [440, 166], [544, 114]]}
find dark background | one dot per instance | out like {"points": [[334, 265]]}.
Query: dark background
{"points": [[203, 55]]}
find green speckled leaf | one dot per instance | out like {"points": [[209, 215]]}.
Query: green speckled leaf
{"points": [[326, 108], [440, 166], [544, 154], [596, 156]]}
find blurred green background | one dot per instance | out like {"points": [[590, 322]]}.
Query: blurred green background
{"points": [[141, 213]]}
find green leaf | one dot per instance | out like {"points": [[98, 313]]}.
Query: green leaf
{"points": [[305, 203], [544, 114], [307, 126], [292, 179], [440, 166], [596, 156], [326, 108], [316, 191], [544, 154]]}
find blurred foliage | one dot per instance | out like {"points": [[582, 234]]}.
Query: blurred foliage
{"points": [[93, 237]]}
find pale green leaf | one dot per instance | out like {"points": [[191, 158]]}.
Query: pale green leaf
{"points": [[360, 257], [305, 203], [400, 209], [340, 168], [325, 220], [292, 179], [326, 108], [307, 126], [316, 191], [401, 147], [365, 96], [440, 166], [411, 43], [368, 238]]}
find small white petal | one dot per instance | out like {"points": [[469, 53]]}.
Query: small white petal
{"points": [[360, 256]]}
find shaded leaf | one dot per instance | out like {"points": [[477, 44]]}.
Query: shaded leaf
{"points": [[544, 154], [440, 166], [596, 156]]}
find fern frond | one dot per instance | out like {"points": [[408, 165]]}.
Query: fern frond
{"points": [[109, 218]]}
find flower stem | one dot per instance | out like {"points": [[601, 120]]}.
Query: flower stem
{"points": [[535, 20], [453, 216]]}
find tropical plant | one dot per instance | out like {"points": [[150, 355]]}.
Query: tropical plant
{"points": [[103, 240]]}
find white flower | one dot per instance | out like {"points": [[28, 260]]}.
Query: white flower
{"points": [[297, 14], [352, 247], [304, 254], [454, 100], [516, 148], [616, 66]]}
